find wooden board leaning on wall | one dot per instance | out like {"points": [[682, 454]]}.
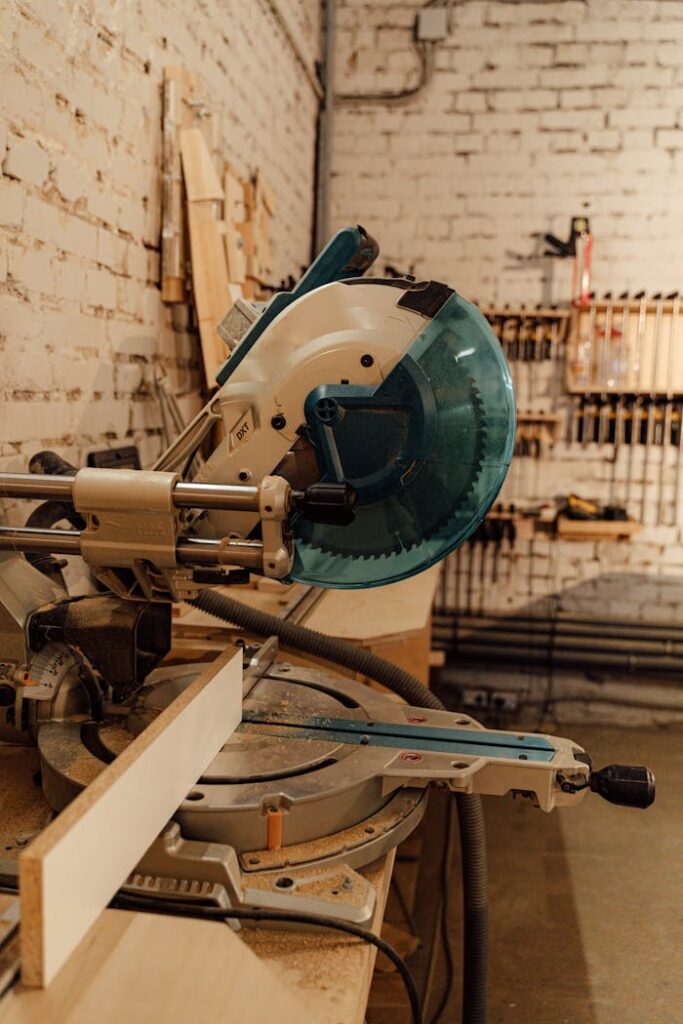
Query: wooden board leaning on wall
{"points": [[226, 219]]}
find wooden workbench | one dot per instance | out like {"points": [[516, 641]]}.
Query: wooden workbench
{"points": [[328, 976]]}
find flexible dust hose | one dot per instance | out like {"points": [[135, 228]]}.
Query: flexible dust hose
{"points": [[470, 812]]}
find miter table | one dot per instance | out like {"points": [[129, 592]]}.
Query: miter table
{"points": [[327, 974]]}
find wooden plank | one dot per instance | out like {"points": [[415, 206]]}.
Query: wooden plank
{"points": [[71, 871], [595, 529], [207, 248], [178, 90], [202, 183], [139, 968], [210, 284]]}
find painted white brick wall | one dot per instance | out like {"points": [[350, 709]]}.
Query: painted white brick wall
{"points": [[81, 321], [534, 110]]}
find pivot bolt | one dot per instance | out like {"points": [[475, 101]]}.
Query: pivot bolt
{"points": [[417, 719], [278, 422], [410, 755]]}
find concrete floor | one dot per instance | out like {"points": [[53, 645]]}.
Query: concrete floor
{"points": [[587, 902], [586, 912]]}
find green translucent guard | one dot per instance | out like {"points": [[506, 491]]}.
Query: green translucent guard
{"points": [[445, 501]]}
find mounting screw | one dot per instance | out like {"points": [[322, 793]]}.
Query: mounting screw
{"points": [[410, 755], [278, 422], [417, 719], [366, 360], [244, 474]]}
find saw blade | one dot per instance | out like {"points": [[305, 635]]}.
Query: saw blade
{"points": [[441, 499]]}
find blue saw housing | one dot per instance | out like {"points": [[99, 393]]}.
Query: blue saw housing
{"points": [[427, 451]]}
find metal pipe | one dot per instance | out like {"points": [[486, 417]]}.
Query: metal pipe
{"points": [[548, 641], [197, 551], [25, 538], [28, 485], [545, 627], [557, 621], [235, 497], [487, 652], [229, 497], [189, 551]]}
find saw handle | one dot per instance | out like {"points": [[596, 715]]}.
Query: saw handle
{"points": [[330, 503], [630, 785]]}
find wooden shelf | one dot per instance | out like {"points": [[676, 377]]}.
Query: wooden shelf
{"points": [[595, 529]]}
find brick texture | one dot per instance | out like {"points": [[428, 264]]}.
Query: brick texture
{"points": [[536, 112], [81, 322]]}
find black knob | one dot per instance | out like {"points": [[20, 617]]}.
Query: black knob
{"points": [[333, 504], [631, 785]]}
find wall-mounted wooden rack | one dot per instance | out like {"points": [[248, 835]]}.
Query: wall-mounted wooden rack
{"points": [[626, 347]]}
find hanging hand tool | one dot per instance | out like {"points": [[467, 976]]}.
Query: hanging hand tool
{"points": [[637, 404], [678, 434], [580, 246], [470, 575], [512, 537], [497, 536], [652, 407], [668, 439], [484, 538], [620, 376], [603, 372]]}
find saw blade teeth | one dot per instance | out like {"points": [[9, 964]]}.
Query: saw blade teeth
{"points": [[372, 550]]}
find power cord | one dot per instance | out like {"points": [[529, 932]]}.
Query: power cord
{"points": [[125, 901], [446, 865]]}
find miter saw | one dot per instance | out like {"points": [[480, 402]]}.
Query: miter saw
{"points": [[360, 432]]}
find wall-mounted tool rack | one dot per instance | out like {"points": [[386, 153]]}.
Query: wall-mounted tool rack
{"points": [[536, 432], [529, 334], [626, 346]]}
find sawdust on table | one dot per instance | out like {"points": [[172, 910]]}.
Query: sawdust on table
{"points": [[24, 810]]}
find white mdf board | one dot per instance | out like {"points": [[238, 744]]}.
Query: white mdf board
{"points": [[136, 968], [70, 872]]}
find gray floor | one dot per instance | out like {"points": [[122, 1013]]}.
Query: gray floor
{"points": [[587, 903]]}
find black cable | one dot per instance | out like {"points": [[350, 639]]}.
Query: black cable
{"points": [[446, 865], [125, 901], [401, 900]]}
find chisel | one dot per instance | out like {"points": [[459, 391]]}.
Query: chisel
{"points": [[652, 408], [637, 402], [679, 460], [604, 378], [673, 331]]}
